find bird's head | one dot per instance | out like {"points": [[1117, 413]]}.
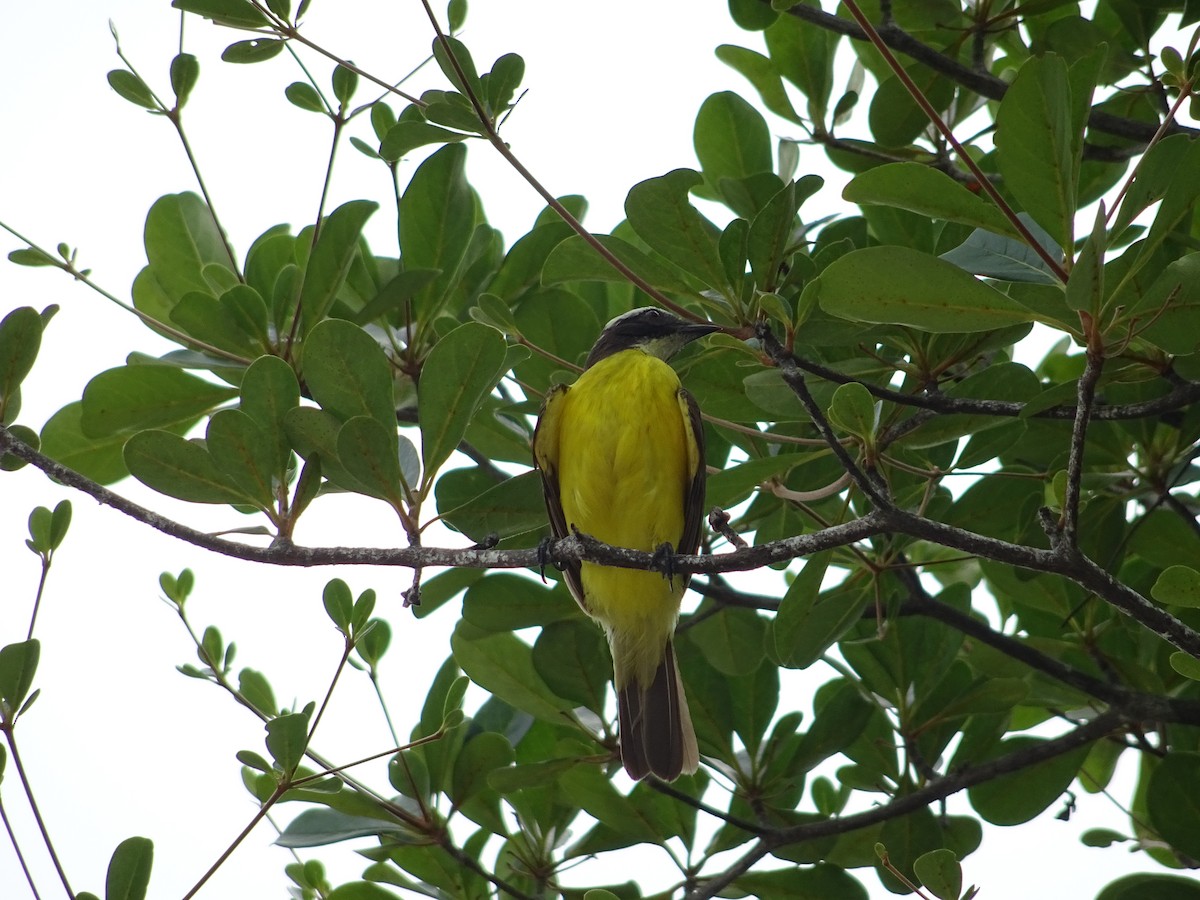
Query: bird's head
{"points": [[649, 329]]}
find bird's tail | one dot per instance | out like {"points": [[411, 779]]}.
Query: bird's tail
{"points": [[656, 728]]}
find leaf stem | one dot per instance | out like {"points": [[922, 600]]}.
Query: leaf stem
{"points": [[147, 319], [12, 839], [11, 738]]}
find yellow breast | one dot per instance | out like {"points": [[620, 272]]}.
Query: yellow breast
{"points": [[624, 467]]}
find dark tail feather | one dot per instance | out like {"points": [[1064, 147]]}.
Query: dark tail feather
{"points": [[656, 727]]}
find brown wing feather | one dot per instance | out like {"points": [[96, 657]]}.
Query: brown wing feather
{"points": [[693, 509], [545, 460]]}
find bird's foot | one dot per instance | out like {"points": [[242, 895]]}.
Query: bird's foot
{"points": [[664, 560]]}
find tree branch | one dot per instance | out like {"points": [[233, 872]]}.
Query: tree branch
{"points": [[983, 83], [943, 787], [574, 548], [793, 377], [1072, 564], [1083, 412], [1137, 705], [1181, 395]]}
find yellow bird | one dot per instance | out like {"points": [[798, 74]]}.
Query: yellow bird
{"points": [[621, 455]]}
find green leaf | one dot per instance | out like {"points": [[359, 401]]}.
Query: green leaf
{"points": [[1004, 258], [928, 192], [236, 13], [60, 521], [456, 14], [852, 409], [1143, 886], [337, 245], [99, 459], [320, 827], [244, 453], [347, 373], [574, 259], [1169, 168], [451, 51], [1085, 289], [1168, 312], [572, 656], [731, 139], [1186, 665], [725, 636], [360, 890], [287, 739], [771, 235], [895, 118], [303, 95], [838, 723], [762, 74], [314, 432], [203, 317], [437, 218], [820, 882], [803, 54], [135, 397], [185, 71], [20, 339], [345, 81], [469, 788], [1178, 586], [513, 507], [806, 626], [659, 212], [181, 239], [1173, 801], [39, 530], [18, 665], [502, 82], [178, 468], [751, 16], [502, 664], [339, 603], [1035, 145], [31, 256], [369, 452], [132, 88], [252, 51], [409, 134], [587, 787], [1017, 797], [503, 602], [255, 688], [269, 389], [129, 870], [461, 369], [940, 872], [887, 285]]}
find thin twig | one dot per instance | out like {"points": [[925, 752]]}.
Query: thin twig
{"points": [[11, 738], [947, 132], [1083, 411]]}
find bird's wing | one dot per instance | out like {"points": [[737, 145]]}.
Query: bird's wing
{"points": [[693, 506], [545, 458]]}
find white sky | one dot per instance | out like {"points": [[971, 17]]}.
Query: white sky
{"points": [[119, 743]]}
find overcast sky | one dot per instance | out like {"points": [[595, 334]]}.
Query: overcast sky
{"points": [[119, 743]]}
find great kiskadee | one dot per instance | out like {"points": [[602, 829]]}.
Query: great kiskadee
{"points": [[621, 454]]}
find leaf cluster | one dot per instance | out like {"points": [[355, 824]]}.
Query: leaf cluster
{"points": [[1015, 613]]}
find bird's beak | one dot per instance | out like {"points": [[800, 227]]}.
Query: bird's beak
{"points": [[692, 331]]}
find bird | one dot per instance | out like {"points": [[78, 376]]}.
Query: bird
{"points": [[621, 458]]}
